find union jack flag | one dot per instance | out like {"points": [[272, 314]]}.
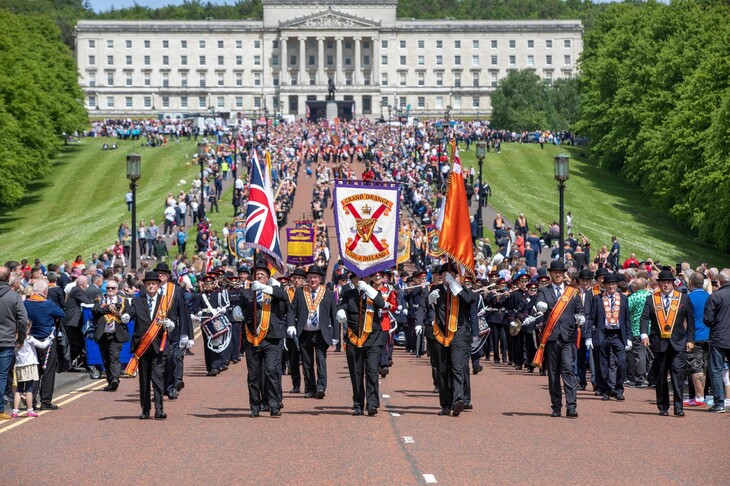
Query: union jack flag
{"points": [[262, 232]]}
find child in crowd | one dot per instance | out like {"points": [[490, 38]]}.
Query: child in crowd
{"points": [[26, 371]]}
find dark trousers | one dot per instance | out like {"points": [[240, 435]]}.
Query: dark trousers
{"points": [[410, 334], [296, 375], [451, 367], [599, 384], [264, 374], [518, 348], [168, 227], [636, 361], [467, 385], [75, 340], [151, 369], [312, 346], [45, 386], [386, 351], [675, 363], [717, 358], [613, 362], [174, 367], [560, 357], [499, 342], [530, 348], [363, 366], [581, 363], [213, 361], [236, 337], [431, 345], [110, 349], [150, 246]]}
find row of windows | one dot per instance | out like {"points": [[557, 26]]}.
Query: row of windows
{"points": [[494, 44], [330, 60], [184, 83]]}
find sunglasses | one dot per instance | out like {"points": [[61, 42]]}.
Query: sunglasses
{"points": [[111, 288]]}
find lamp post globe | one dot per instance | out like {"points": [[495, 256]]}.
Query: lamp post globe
{"points": [[561, 169]]}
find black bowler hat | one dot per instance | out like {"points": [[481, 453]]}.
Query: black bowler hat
{"points": [[316, 270], [150, 276], [342, 276], [585, 274], [448, 267], [299, 272], [437, 270], [665, 274], [602, 272], [556, 266], [262, 266], [420, 273], [162, 267], [611, 277], [244, 269]]}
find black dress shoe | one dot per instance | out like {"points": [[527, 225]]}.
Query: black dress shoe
{"points": [[458, 408], [679, 413], [254, 414], [572, 413], [160, 414], [556, 413], [114, 385], [597, 393], [50, 406], [144, 415], [372, 411], [265, 408], [543, 372], [309, 395], [281, 405], [320, 394], [620, 398], [212, 373], [468, 406], [189, 353], [581, 387], [172, 396], [605, 397], [445, 411], [390, 362], [384, 370], [435, 389], [357, 411], [477, 369], [530, 370], [518, 368], [108, 388], [664, 413], [275, 413], [295, 390], [180, 385]]}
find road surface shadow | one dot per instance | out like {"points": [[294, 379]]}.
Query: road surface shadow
{"points": [[630, 412], [120, 417], [525, 414], [218, 415]]}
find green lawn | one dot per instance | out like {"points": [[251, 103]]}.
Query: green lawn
{"points": [[521, 178], [79, 206]]}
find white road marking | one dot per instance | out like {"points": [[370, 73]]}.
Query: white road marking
{"points": [[386, 396], [430, 479], [394, 414], [408, 440]]}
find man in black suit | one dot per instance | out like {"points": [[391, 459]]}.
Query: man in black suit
{"points": [[313, 318], [110, 332], [560, 340], [360, 309], [94, 289], [264, 307], [182, 333], [609, 331], [585, 282], [668, 326], [452, 339], [72, 323], [143, 310]]}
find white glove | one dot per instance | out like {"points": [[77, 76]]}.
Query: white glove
{"points": [[291, 331], [580, 319], [419, 329], [399, 309], [125, 318], [513, 324], [273, 282], [169, 325], [237, 314], [405, 312], [267, 289], [475, 340], [589, 343], [541, 307], [482, 312], [433, 297], [528, 320], [341, 316], [369, 290], [454, 286], [191, 343], [184, 340], [335, 341], [629, 345]]}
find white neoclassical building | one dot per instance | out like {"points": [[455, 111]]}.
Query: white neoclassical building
{"points": [[381, 65]]}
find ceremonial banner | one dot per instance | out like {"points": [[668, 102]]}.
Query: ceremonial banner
{"points": [[300, 246], [404, 246], [367, 218], [262, 232], [455, 236], [432, 233]]}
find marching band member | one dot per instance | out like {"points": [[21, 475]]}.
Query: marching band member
{"points": [[204, 309], [390, 296], [312, 319], [360, 308], [452, 338], [233, 287], [264, 307], [516, 306], [298, 279], [668, 327], [585, 284]]}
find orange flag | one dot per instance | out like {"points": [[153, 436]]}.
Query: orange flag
{"points": [[455, 236]]}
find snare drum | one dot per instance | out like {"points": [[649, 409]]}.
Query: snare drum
{"points": [[216, 326]]}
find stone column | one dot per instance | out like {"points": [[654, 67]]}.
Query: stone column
{"points": [[338, 63], [302, 61], [357, 79], [321, 76], [375, 62], [284, 76]]}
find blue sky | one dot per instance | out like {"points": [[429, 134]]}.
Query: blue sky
{"points": [[104, 5]]}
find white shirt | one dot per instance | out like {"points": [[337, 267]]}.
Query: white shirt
{"points": [[170, 213]]}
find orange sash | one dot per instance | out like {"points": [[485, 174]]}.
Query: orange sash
{"points": [[153, 330], [666, 319], [558, 310], [452, 316], [367, 327], [256, 339]]}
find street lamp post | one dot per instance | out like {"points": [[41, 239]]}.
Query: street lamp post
{"points": [[440, 139], [562, 163], [134, 172], [481, 152], [266, 120], [201, 160]]}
